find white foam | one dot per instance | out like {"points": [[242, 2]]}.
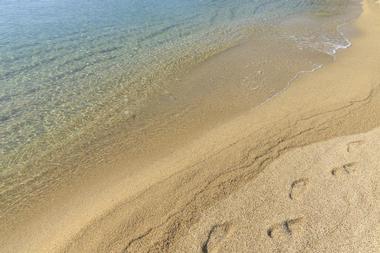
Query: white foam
{"points": [[303, 43]]}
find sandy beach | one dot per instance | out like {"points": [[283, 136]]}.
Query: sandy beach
{"points": [[299, 173]]}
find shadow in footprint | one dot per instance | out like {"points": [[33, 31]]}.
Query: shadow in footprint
{"points": [[286, 227], [217, 233], [298, 187], [353, 145], [347, 168]]}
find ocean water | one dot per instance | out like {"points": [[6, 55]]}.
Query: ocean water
{"points": [[65, 65]]}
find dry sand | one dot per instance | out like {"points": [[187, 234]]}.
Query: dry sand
{"points": [[298, 173], [322, 197]]}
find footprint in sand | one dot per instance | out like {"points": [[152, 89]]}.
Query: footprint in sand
{"points": [[216, 235], [287, 227], [353, 145], [347, 168], [298, 187]]}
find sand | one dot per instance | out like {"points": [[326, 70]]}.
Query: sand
{"points": [[298, 173], [322, 197]]}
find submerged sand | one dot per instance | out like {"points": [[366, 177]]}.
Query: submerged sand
{"points": [[298, 173]]}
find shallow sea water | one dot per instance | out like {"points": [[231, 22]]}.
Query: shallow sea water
{"points": [[71, 69]]}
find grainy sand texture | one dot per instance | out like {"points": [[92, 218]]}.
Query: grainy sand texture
{"points": [[322, 197]]}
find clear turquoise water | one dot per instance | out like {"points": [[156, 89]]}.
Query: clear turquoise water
{"points": [[63, 63]]}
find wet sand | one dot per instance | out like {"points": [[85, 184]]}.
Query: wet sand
{"points": [[299, 172]]}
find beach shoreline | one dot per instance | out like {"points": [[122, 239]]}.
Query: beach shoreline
{"points": [[155, 207]]}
